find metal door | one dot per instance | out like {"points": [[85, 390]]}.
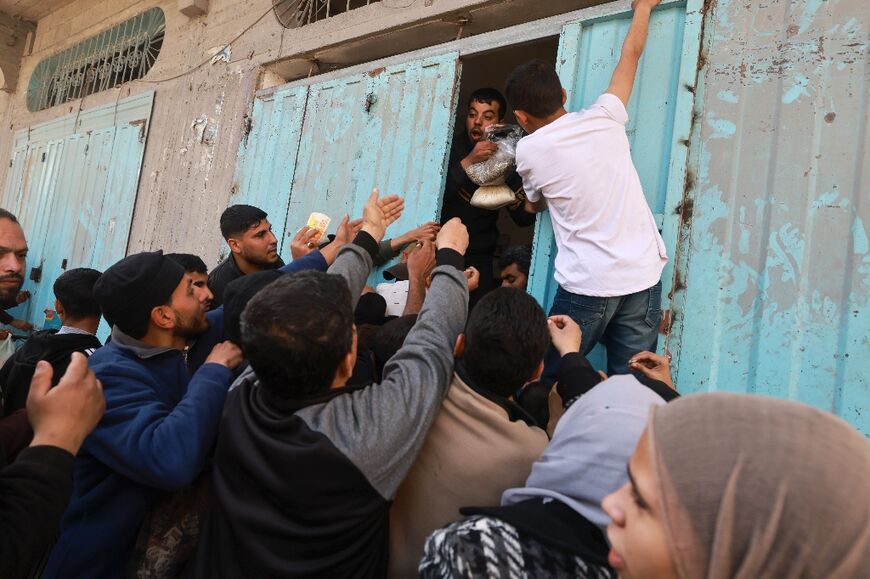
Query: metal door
{"points": [[323, 147], [775, 260], [389, 128], [72, 184], [660, 112], [267, 154]]}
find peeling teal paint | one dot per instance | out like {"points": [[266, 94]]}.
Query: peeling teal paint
{"points": [[728, 97], [72, 184], [797, 90], [775, 258], [859, 237], [724, 129]]}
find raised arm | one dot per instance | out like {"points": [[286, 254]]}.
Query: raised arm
{"points": [[622, 80], [381, 428], [354, 262]]}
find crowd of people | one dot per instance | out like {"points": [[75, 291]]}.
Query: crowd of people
{"points": [[272, 419]]}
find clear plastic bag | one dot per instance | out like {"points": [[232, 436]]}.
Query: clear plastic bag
{"points": [[493, 171]]}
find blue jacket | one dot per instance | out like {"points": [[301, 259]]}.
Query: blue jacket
{"points": [[163, 407], [160, 423]]}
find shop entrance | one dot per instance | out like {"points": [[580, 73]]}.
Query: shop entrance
{"points": [[490, 70]]}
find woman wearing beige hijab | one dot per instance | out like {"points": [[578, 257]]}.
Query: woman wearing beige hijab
{"points": [[729, 486]]}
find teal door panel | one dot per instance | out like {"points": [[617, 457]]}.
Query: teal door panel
{"points": [[330, 153], [73, 184], [588, 53], [406, 140], [388, 128], [267, 155]]}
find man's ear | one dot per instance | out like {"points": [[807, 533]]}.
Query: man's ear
{"points": [[459, 348], [234, 245], [538, 371], [163, 317], [58, 307], [522, 118], [564, 97]]}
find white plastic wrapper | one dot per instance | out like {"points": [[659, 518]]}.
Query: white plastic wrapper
{"points": [[494, 170]]}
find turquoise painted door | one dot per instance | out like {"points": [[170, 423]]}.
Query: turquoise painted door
{"points": [[389, 128], [659, 111], [73, 185], [267, 155], [323, 147]]}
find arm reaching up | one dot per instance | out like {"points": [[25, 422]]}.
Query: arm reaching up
{"points": [[622, 80]]}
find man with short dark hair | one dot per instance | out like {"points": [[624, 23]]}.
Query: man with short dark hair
{"points": [[514, 265], [253, 247], [481, 443], [80, 317], [13, 264], [305, 466], [610, 253], [163, 402], [195, 267], [486, 107]]}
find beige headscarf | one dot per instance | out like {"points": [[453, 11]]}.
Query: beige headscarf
{"points": [[758, 488]]}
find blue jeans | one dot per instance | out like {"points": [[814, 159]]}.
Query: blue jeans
{"points": [[624, 325]]}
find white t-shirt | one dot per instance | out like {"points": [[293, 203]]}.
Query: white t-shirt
{"points": [[607, 239]]}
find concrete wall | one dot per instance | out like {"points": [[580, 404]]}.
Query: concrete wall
{"points": [[199, 117]]}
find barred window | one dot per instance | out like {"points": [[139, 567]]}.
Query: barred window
{"points": [[120, 54], [296, 13]]}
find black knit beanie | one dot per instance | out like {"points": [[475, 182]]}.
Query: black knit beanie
{"points": [[130, 289]]}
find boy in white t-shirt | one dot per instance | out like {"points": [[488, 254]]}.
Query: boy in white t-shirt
{"points": [[610, 254]]}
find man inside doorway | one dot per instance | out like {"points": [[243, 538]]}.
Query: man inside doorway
{"points": [[486, 107]]}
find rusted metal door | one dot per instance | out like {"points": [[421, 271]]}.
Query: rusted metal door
{"points": [[774, 271], [388, 128], [267, 153], [328, 144], [72, 184]]}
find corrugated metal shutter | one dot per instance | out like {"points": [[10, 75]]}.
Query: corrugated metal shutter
{"points": [[388, 128], [73, 187], [776, 274]]}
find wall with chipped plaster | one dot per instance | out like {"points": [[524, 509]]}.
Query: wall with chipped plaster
{"points": [[774, 259]]}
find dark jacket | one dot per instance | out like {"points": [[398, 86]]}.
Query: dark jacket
{"points": [[302, 488], [227, 270], [47, 345], [161, 420], [34, 492], [482, 224]]}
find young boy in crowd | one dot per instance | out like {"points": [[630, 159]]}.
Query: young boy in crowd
{"points": [[80, 315], [514, 265], [578, 165]]}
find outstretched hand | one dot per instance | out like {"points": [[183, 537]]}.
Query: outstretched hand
{"points": [[304, 242], [453, 235], [380, 212]]}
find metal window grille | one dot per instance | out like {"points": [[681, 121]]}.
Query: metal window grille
{"points": [[296, 13], [120, 54]]}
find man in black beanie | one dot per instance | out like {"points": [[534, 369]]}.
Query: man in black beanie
{"points": [[162, 410]]}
